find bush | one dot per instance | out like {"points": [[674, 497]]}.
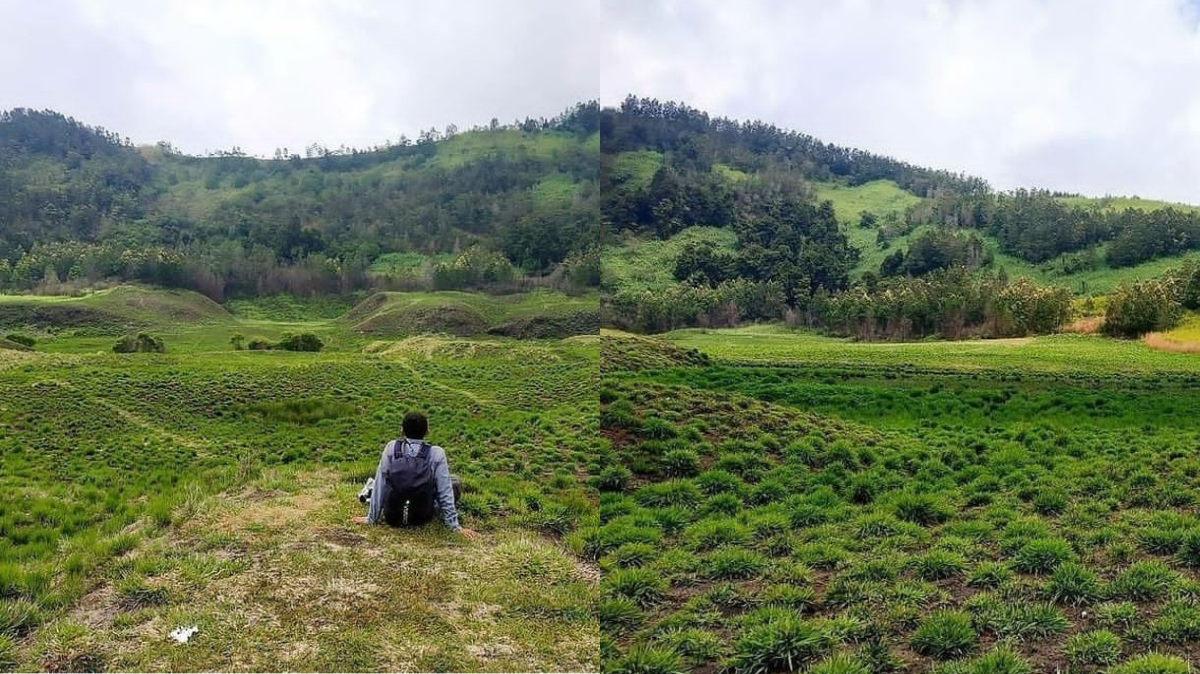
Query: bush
{"points": [[23, 340], [784, 645], [305, 341], [142, 342], [259, 344], [1141, 307], [945, 634]]}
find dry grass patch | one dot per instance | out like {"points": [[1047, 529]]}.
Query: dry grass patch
{"points": [[278, 580]]}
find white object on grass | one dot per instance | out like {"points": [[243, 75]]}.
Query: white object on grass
{"points": [[184, 633]]}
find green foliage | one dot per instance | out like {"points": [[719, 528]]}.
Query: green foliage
{"points": [[1095, 648], [643, 586], [1042, 555], [23, 340], [648, 660], [141, 343], [1141, 307], [945, 634], [1153, 663], [787, 644], [304, 341]]}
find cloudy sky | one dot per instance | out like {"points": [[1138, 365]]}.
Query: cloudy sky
{"points": [[1094, 96]]}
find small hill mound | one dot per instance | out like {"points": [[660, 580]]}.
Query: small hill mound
{"points": [[541, 326], [622, 351], [534, 315], [111, 312], [9, 345], [416, 320]]}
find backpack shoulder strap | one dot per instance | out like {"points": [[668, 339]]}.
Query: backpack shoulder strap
{"points": [[426, 449], [397, 449]]}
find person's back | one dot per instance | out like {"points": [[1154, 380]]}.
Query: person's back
{"points": [[413, 481]]}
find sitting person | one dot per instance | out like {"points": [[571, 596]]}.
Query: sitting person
{"points": [[413, 481]]}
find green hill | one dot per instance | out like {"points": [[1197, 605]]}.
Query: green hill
{"points": [[109, 312], [526, 315]]}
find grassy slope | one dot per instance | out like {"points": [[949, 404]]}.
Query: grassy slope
{"points": [[650, 265], [1057, 353], [271, 569], [859, 489]]}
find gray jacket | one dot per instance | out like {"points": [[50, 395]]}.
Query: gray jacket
{"points": [[441, 474]]}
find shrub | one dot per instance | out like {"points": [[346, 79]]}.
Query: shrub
{"points": [[649, 660], [305, 341], [23, 340], [1099, 647], [945, 634], [142, 342], [784, 645], [238, 342], [1043, 555], [259, 344], [1153, 663], [643, 586]]}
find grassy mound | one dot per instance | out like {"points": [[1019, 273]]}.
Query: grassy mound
{"points": [[416, 320], [625, 352], [111, 312], [551, 326], [10, 345], [527, 315]]}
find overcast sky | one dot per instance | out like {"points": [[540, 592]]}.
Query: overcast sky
{"points": [[1094, 96]]}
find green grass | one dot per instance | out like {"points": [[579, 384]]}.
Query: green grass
{"points": [[509, 143], [650, 265], [636, 169], [963, 502], [1121, 203]]}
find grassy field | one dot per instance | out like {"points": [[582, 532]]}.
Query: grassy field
{"points": [[209, 487], [798, 503], [748, 501]]}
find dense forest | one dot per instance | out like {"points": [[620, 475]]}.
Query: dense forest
{"points": [[536, 201]]}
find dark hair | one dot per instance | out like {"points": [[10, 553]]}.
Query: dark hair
{"points": [[415, 425]]}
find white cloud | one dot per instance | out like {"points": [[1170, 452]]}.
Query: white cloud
{"points": [[1095, 96]]}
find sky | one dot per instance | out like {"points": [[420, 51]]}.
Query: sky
{"points": [[1091, 96]]}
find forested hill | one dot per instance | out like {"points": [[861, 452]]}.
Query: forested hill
{"points": [[81, 201], [485, 206]]}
